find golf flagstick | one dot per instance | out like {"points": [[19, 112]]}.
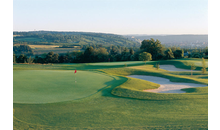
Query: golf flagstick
{"points": [[75, 75]]}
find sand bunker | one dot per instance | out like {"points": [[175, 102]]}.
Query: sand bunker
{"points": [[165, 85], [173, 68]]}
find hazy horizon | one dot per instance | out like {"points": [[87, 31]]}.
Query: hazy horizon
{"points": [[105, 32], [122, 17]]}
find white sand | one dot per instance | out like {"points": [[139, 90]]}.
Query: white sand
{"points": [[165, 85], [173, 68]]}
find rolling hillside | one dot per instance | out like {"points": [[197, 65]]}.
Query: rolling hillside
{"points": [[71, 39]]}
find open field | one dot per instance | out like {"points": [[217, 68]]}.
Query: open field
{"points": [[39, 51], [109, 99], [42, 46]]}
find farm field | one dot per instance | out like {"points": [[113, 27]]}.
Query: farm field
{"points": [[46, 97], [42, 46], [42, 49], [39, 51]]}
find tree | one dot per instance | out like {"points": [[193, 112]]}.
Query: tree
{"points": [[88, 56], [30, 60], [132, 57], [203, 66], [192, 68], [22, 58], [196, 55], [102, 54], [169, 54], [157, 66], [49, 57], [14, 58], [126, 49], [178, 54], [102, 51], [145, 56], [52, 58], [131, 51], [125, 56], [114, 51], [153, 47], [55, 58], [182, 54]]}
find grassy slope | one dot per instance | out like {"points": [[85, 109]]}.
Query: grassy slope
{"points": [[104, 110], [134, 87], [80, 38]]}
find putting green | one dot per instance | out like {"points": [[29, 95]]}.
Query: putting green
{"points": [[48, 86]]}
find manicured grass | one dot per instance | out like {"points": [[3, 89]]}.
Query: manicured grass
{"points": [[133, 88], [73, 66], [120, 104], [185, 63], [179, 63], [108, 112], [37, 86]]}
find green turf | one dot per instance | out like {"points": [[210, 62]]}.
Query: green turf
{"points": [[120, 104], [179, 63], [37, 86], [133, 88]]}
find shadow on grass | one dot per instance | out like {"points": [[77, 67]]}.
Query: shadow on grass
{"points": [[111, 85]]}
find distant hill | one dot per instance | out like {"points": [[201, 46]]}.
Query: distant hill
{"points": [[72, 38], [184, 41]]}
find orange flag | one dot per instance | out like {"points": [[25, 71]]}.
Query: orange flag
{"points": [[75, 71]]}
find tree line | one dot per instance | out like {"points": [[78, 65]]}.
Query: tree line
{"points": [[23, 49], [149, 50]]}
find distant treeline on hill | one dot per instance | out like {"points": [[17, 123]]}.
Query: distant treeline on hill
{"points": [[71, 38], [23, 49], [182, 41], [149, 50]]}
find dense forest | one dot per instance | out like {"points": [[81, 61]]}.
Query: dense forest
{"points": [[71, 39], [149, 50]]}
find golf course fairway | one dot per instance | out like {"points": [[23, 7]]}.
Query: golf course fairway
{"points": [[46, 97], [37, 86]]}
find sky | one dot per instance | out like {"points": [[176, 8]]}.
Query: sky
{"points": [[112, 16]]}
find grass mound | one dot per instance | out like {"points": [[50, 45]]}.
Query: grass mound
{"points": [[133, 88]]}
